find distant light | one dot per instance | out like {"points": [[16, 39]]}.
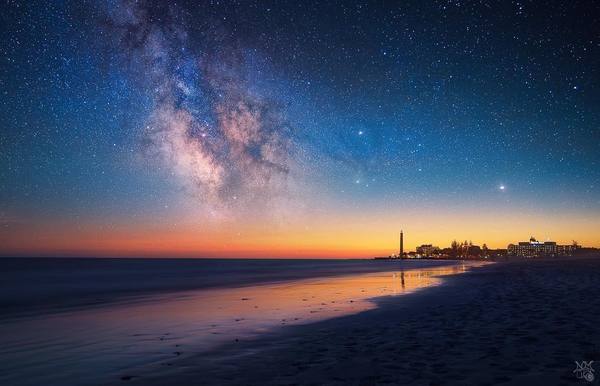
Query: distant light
{"points": [[502, 187], [360, 132]]}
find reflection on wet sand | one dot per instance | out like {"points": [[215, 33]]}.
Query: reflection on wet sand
{"points": [[160, 328]]}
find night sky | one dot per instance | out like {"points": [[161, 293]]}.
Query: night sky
{"points": [[295, 128]]}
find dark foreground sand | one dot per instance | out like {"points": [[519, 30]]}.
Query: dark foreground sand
{"points": [[511, 323]]}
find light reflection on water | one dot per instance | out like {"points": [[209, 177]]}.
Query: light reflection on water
{"points": [[94, 345]]}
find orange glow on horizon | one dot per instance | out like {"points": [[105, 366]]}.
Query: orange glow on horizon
{"points": [[322, 237]]}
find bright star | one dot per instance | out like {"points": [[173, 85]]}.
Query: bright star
{"points": [[502, 187], [360, 132]]}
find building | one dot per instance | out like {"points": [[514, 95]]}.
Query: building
{"points": [[468, 250], [427, 250], [534, 248]]}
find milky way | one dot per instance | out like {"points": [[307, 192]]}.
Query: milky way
{"points": [[228, 145]]}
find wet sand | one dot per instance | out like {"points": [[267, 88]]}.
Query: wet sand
{"points": [[521, 322]]}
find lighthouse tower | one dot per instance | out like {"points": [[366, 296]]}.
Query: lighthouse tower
{"points": [[401, 255]]}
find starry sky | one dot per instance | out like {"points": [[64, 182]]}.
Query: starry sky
{"points": [[296, 128]]}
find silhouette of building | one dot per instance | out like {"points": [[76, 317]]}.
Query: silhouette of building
{"points": [[468, 250], [534, 248], [427, 250]]}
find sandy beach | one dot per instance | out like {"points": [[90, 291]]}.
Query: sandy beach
{"points": [[402, 322], [521, 323]]}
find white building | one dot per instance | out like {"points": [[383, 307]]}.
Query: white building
{"points": [[534, 248]]}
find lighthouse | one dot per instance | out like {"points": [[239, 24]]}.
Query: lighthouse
{"points": [[401, 255]]}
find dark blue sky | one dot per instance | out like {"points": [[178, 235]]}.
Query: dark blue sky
{"points": [[360, 104]]}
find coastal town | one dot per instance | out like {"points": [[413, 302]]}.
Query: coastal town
{"points": [[467, 250]]}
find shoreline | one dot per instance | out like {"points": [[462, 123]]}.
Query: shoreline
{"points": [[82, 283], [513, 323]]}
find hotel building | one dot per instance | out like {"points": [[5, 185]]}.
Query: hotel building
{"points": [[534, 248]]}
